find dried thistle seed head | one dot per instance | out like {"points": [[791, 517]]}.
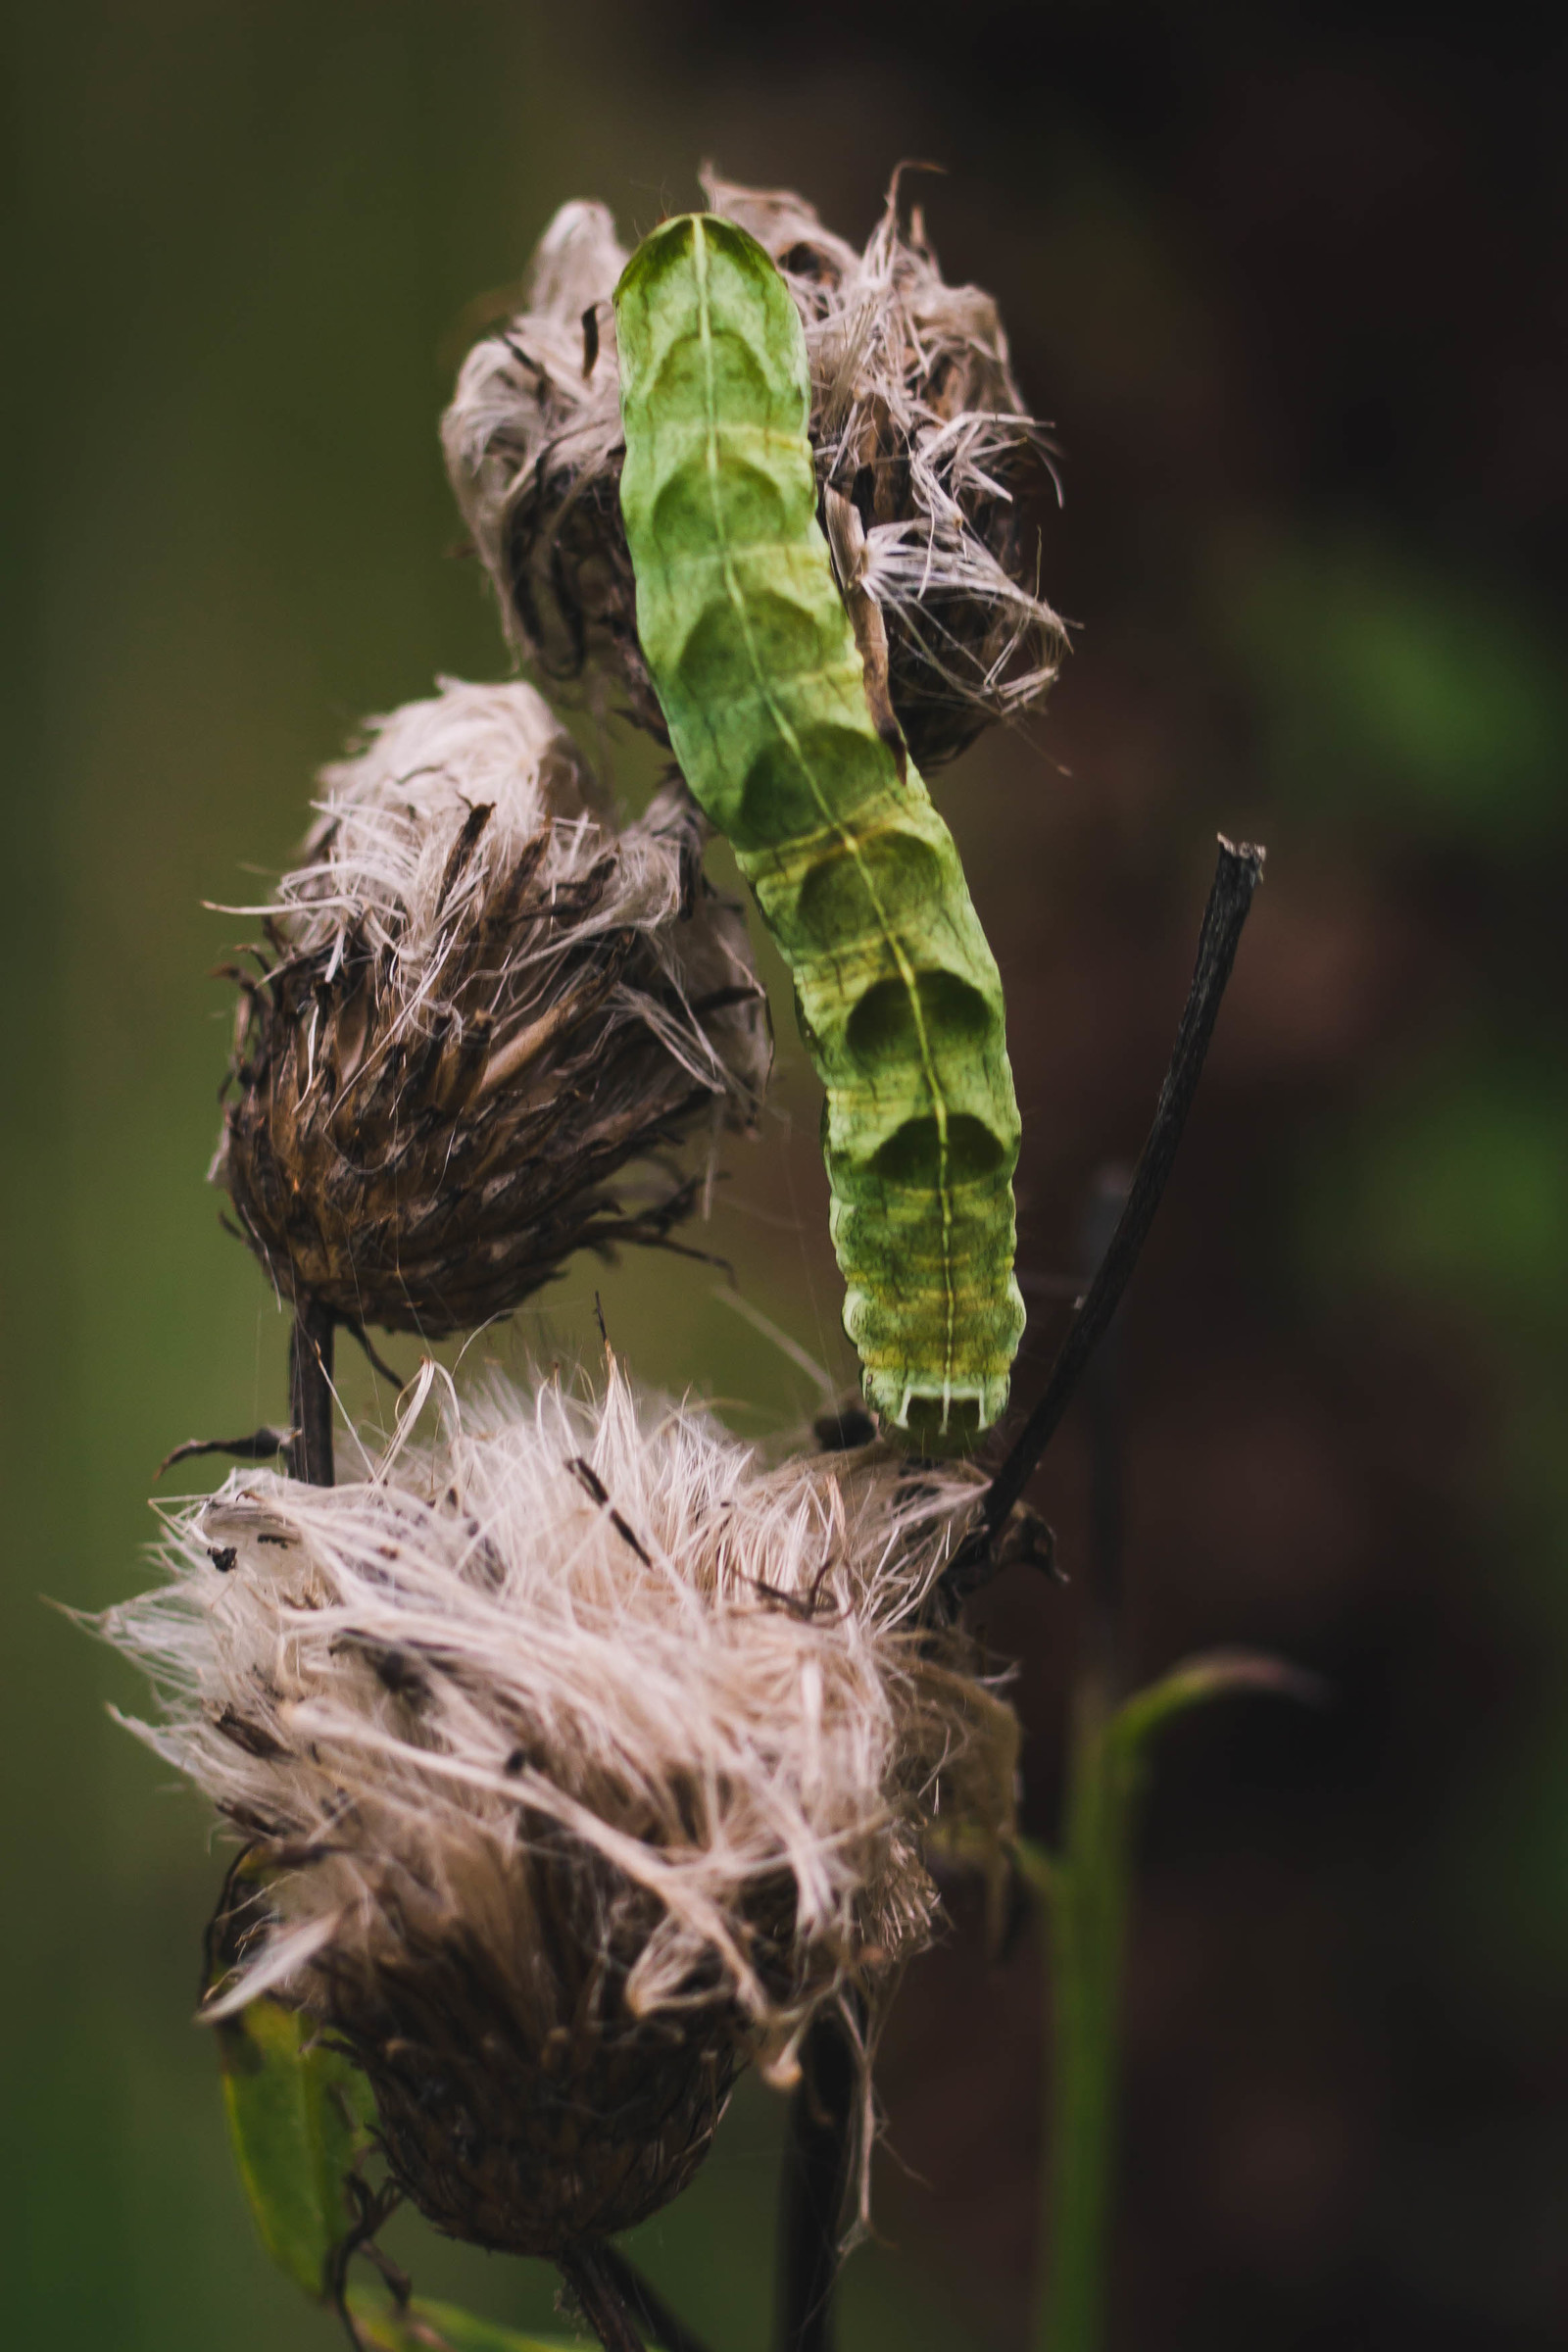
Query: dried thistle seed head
{"points": [[926, 460], [479, 1006], [589, 1759]]}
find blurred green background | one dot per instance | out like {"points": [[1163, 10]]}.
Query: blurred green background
{"points": [[1291, 285]]}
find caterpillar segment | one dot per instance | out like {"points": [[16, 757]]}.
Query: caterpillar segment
{"points": [[765, 693]]}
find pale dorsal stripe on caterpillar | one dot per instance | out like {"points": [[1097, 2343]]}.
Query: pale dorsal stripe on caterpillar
{"points": [[765, 695]]}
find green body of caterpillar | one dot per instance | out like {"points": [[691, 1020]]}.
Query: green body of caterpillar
{"points": [[763, 690]]}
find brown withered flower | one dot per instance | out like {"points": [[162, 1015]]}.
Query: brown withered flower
{"points": [[587, 1760], [928, 464], [482, 1022]]}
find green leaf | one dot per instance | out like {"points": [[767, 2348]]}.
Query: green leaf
{"points": [[299, 2114], [1216, 1674], [297, 2120], [421, 2327]]}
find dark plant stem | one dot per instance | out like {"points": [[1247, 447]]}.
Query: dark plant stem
{"points": [[309, 1393], [593, 2283], [1084, 1888], [1087, 1885], [816, 2171], [647, 2306], [1230, 898]]}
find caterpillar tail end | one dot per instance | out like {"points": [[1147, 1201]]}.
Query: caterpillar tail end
{"points": [[931, 1408], [934, 1423]]}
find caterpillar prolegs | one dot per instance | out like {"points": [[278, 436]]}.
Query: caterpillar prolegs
{"points": [[765, 693]]}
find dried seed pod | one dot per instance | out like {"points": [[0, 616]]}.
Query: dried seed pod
{"points": [[926, 461], [479, 1006], [589, 1759]]}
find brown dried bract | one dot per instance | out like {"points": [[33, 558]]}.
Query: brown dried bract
{"points": [[481, 1026], [521, 2103]]}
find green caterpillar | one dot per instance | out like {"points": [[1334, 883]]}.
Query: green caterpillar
{"points": [[765, 693]]}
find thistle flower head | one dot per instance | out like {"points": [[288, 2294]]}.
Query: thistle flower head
{"points": [[926, 459], [587, 1758], [479, 1003]]}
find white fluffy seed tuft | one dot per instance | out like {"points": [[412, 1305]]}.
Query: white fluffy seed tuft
{"points": [[597, 1611]]}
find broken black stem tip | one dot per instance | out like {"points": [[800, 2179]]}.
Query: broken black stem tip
{"points": [[596, 2287], [816, 2171], [1236, 879], [260, 1446], [309, 1393], [647, 2306]]}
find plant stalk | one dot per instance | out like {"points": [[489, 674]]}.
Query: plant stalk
{"points": [[639, 2296], [597, 2290], [816, 2174], [309, 1393], [1236, 879], [1089, 1886]]}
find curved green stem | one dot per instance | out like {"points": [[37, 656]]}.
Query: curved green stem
{"points": [[1089, 1887]]}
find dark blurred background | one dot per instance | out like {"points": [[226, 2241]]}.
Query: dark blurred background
{"points": [[1292, 286]]}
